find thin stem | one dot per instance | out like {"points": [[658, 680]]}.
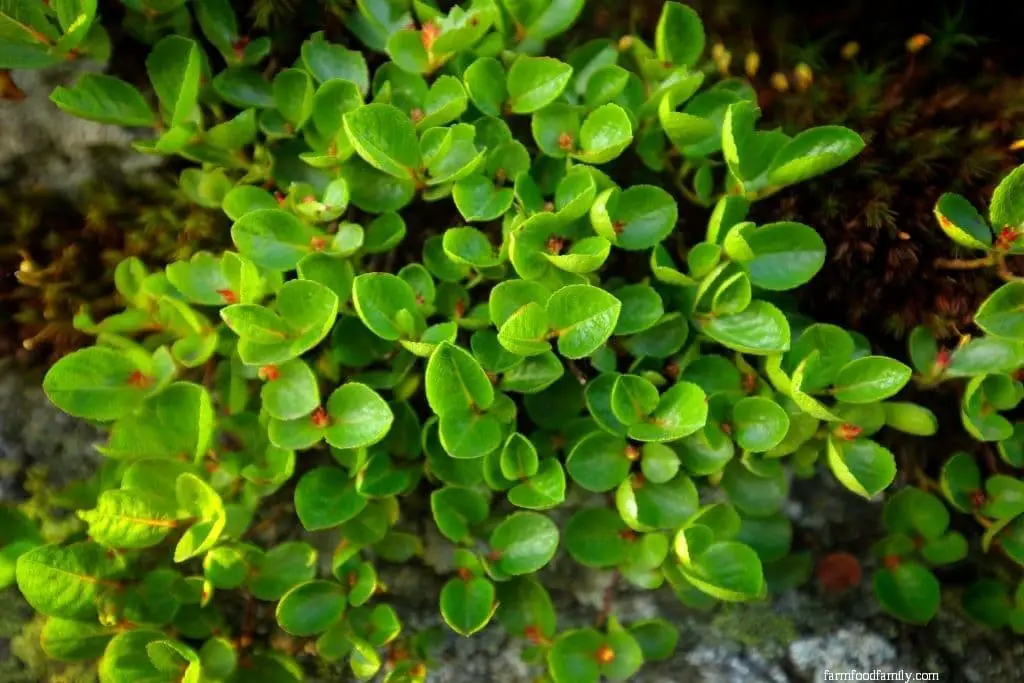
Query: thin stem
{"points": [[965, 264]]}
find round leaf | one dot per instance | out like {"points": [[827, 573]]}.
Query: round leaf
{"points": [[311, 608], [583, 317], [869, 379], [524, 542], [467, 605]]}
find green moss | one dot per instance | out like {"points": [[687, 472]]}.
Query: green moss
{"points": [[755, 626]]}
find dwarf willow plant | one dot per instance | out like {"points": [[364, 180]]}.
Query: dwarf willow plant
{"points": [[991, 490], [440, 296]]}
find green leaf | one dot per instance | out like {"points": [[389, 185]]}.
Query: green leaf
{"points": [[176, 423], [291, 391], [605, 134], [642, 308], [105, 99], [382, 301], [455, 382], [1002, 313], [96, 383], [467, 605], [813, 152], [908, 591], [358, 417], [869, 379], [861, 465], [658, 638], [274, 238], [597, 537], [681, 411], [293, 96], [783, 255], [755, 492], [984, 355], [574, 657], [467, 434], [542, 491], [66, 581], [636, 218], [526, 331], [961, 221], [125, 658], [534, 82], [456, 510], [311, 608], [385, 138], [913, 511], [518, 457], [910, 418], [727, 570], [175, 68], [479, 200], [633, 399], [243, 87], [679, 37], [1007, 207], [469, 246], [325, 497], [327, 61], [282, 568], [73, 641], [129, 519], [583, 317], [646, 506], [485, 83], [524, 542], [759, 424]]}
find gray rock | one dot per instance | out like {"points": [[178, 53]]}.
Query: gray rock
{"points": [[40, 145], [34, 433]]}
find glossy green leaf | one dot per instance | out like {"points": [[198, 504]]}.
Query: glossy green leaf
{"points": [[583, 317], [174, 68], [311, 608], [524, 542], [679, 37], [385, 138], [467, 605], [534, 82], [869, 379], [813, 152]]}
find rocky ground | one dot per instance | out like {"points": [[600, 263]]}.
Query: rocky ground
{"points": [[790, 640]]}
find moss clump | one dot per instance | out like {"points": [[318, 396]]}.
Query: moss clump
{"points": [[60, 257]]}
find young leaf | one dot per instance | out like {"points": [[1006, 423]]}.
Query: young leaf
{"points": [[357, 417], [583, 317], [869, 379], [679, 37], [862, 465], [1002, 313], [634, 219], [385, 138], [597, 537], [96, 383], [129, 519], [66, 581], [311, 608], [534, 82], [325, 497], [468, 604], [175, 68], [961, 221], [105, 99], [380, 299], [524, 542], [814, 152], [455, 382]]}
